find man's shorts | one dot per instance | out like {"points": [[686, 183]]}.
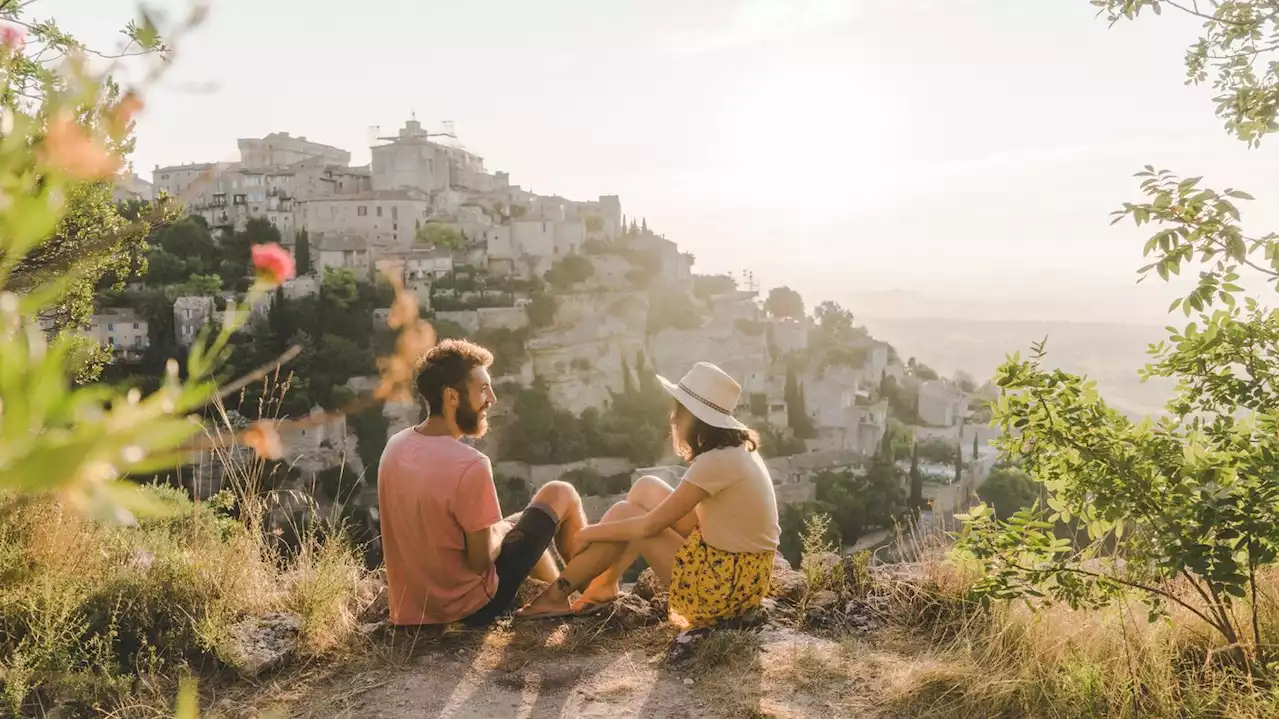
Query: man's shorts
{"points": [[521, 549]]}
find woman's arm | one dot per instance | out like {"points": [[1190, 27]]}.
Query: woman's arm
{"points": [[676, 505]]}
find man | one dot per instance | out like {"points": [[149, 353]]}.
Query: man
{"points": [[450, 556]]}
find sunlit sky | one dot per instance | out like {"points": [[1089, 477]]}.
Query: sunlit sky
{"points": [[955, 149]]}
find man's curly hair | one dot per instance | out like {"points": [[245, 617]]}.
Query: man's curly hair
{"points": [[447, 365]]}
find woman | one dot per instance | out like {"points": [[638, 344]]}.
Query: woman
{"points": [[712, 539]]}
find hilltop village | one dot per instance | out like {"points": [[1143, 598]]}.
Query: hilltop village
{"points": [[580, 303]]}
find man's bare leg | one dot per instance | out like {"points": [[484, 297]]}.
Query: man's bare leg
{"points": [[562, 498]]}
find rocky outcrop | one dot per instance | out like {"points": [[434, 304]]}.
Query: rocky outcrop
{"points": [[259, 644], [786, 583]]}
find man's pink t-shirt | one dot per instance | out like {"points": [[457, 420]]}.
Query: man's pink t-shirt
{"points": [[432, 490]]}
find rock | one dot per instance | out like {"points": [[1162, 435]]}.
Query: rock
{"points": [[371, 628], [823, 599], [688, 682], [823, 562], [787, 583], [263, 643], [647, 585], [631, 611], [529, 591]]}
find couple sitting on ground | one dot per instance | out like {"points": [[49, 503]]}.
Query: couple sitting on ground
{"points": [[451, 557]]}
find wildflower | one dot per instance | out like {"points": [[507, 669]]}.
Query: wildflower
{"points": [[69, 148], [273, 263], [12, 38], [123, 113], [263, 439]]}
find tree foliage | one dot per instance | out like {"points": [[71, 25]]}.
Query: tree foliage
{"points": [[706, 286], [441, 235], [1190, 496], [1009, 490], [784, 302], [1238, 49]]}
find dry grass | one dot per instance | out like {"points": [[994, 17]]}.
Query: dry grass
{"points": [[1011, 661], [96, 616]]}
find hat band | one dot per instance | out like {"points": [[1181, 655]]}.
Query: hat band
{"points": [[704, 400]]}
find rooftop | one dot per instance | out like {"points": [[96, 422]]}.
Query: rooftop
{"points": [[342, 243], [194, 302], [386, 195], [123, 314]]}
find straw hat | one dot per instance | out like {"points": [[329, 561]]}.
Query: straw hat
{"points": [[709, 394]]}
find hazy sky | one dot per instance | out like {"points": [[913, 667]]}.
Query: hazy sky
{"points": [[939, 146]]}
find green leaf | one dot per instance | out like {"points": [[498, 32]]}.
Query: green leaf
{"points": [[148, 36], [1239, 194]]}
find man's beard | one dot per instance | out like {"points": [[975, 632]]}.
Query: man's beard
{"points": [[470, 421]]}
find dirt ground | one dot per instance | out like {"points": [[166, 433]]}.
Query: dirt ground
{"points": [[574, 669]]}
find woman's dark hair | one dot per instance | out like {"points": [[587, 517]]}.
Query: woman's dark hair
{"points": [[702, 437], [447, 365]]}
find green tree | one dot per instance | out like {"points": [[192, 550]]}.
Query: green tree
{"points": [[1188, 499], [569, 271], [201, 285], [542, 310], [339, 289], [1009, 490], [706, 286], [439, 234], [917, 484], [302, 252], [784, 302], [938, 450]]}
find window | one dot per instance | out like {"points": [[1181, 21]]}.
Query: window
{"points": [[238, 200], [111, 328], [379, 210], [395, 213], [395, 227], [135, 325], [164, 177], [362, 211]]}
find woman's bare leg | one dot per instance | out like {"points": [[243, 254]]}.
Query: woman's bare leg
{"points": [[602, 563], [649, 491]]}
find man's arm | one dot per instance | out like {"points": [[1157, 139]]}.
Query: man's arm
{"points": [[483, 545], [477, 510]]}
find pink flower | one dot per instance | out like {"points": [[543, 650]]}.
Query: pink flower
{"points": [[273, 263], [12, 38]]}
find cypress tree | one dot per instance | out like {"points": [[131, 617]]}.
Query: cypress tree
{"points": [[917, 485]]}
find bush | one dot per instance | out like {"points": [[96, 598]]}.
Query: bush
{"points": [[570, 271], [542, 310]]}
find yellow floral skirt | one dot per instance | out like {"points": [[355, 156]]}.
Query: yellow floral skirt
{"points": [[709, 584]]}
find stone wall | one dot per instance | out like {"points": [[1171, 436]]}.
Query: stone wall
{"points": [[537, 475], [511, 318], [796, 492], [802, 467]]}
